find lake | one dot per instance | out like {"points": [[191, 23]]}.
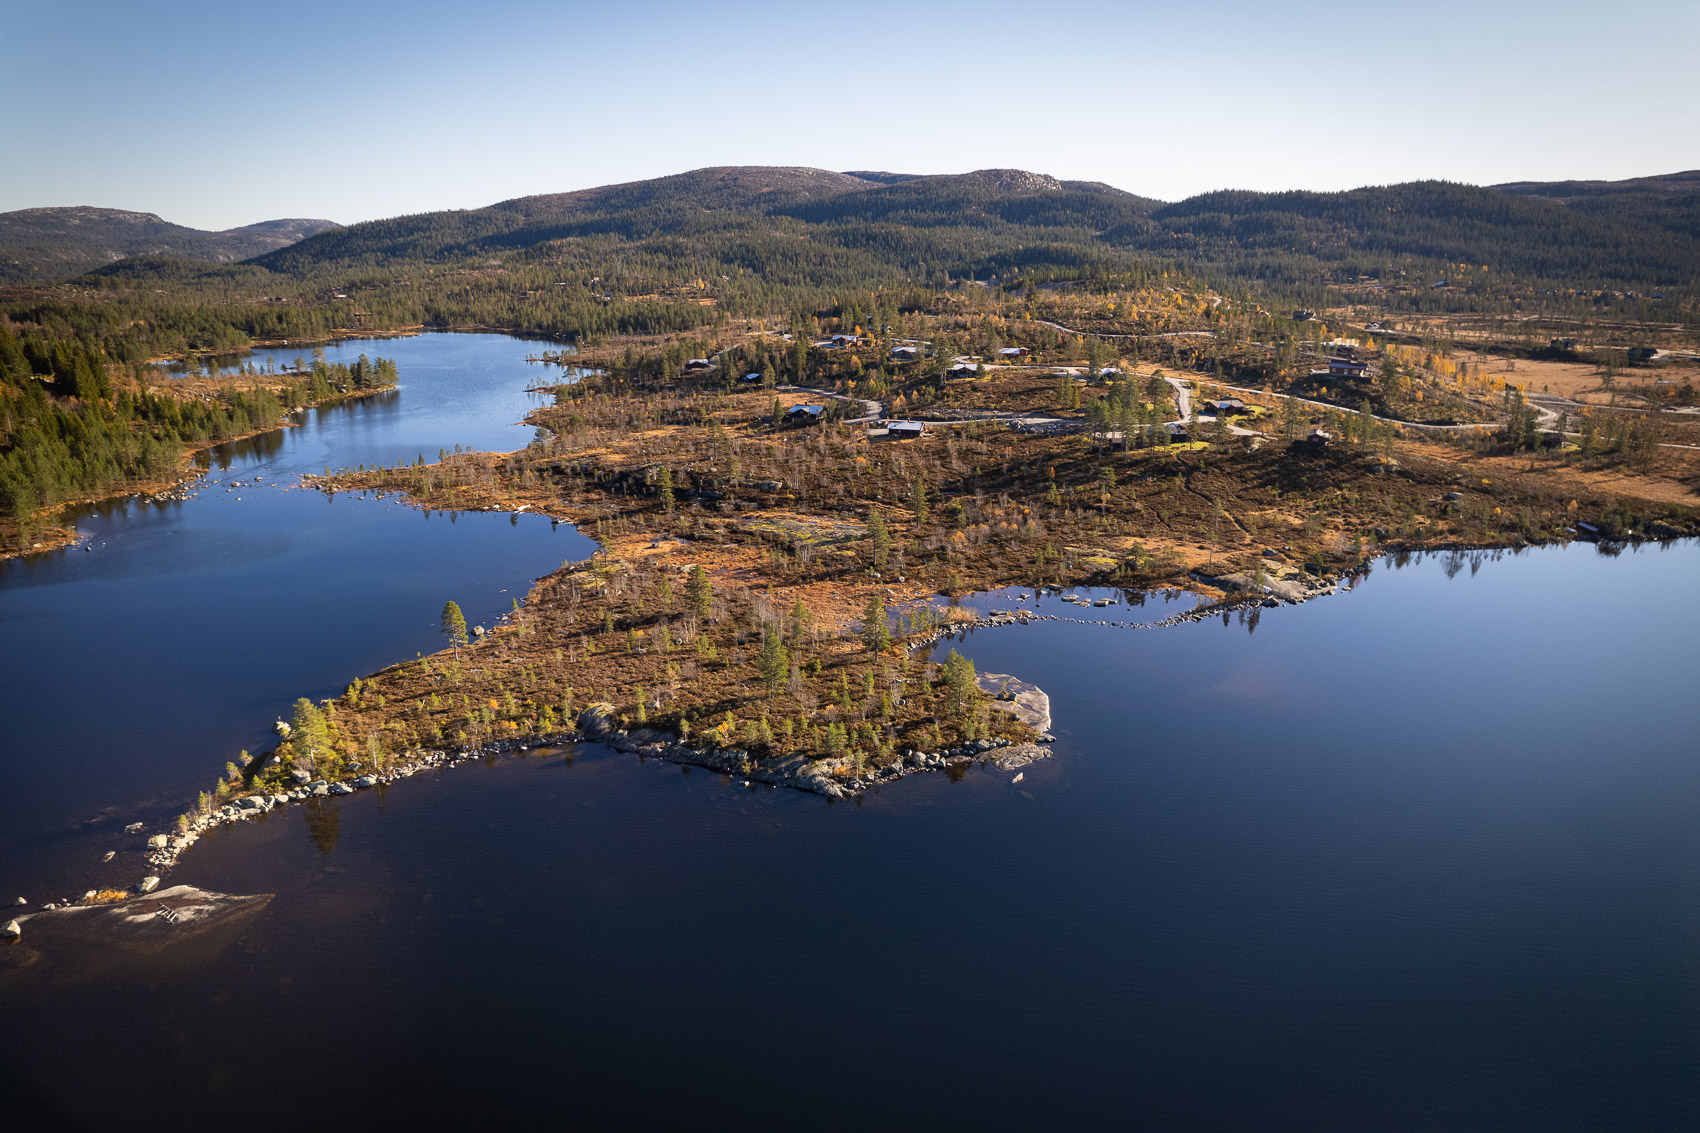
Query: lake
{"points": [[1422, 854], [134, 670]]}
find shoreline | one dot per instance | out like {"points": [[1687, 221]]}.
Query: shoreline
{"points": [[61, 536], [596, 724]]}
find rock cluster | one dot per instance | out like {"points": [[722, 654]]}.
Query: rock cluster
{"points": [[797, 770]]}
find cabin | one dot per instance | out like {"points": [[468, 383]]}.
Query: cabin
{"points": [[1346, 368], [842, 340], [804, 414], [1643, 353], [1178, 432], [906, 430], [1319, 438], [1227, 407], [905, 353], [1303, 315], [1562, 344], [750, 378], [1012, 352], [961, 370], [1110, 372], [696, 364]]}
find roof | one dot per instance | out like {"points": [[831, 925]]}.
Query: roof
{"points": [[1013, 350], [811, 410], [906, 426]]}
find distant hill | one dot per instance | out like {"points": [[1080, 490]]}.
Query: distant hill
{"points": [[876, 225], [789, 227], [1664, 184], [1670, 201], [1436, 227], [45, 244]]}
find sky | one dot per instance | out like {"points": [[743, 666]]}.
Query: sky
{"points": [[217, 114]]}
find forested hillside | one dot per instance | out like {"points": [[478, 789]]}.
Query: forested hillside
{"points": [[1643, 234], [679, 252], [46, 244]]}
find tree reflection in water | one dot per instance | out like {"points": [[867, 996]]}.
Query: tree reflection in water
{"points": [[324, 824]]}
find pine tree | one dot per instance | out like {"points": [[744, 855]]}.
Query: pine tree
{"points": [[309, 732], [961, 688], [454, 626]]}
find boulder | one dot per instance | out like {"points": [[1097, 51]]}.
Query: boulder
{"points": [[366, 781], [321, 789], [341, 789], [158, 842], [300, 776], [148, 885], [11, 931], [598, 721]]}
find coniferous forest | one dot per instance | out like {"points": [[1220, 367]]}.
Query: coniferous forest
{"points": [[72, 425]]}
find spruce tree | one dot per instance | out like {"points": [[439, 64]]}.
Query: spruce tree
{"points": [[879, 536], [775, 661], [699, 591], [875, 632]]}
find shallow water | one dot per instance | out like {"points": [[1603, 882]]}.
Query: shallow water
{"points": [[1425, 854], [135, 669]]}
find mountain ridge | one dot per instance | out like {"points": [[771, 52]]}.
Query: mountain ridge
{"points": [[1638, 231], [56, 242]]}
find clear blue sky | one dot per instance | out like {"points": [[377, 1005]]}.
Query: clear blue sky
{"points": [[221, 113]]}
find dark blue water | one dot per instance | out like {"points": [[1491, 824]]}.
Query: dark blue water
{"points": [[1423, 855], [134, 670]]}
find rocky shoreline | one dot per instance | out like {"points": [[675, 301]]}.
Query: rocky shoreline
{"points": [[596, 724], [797, 771]]}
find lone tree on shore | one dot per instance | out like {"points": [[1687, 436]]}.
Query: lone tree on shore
{"points": [[454, 626]]}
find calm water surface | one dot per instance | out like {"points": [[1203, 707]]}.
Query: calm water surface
{"points": [[1426, 854], [133, 670]]}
